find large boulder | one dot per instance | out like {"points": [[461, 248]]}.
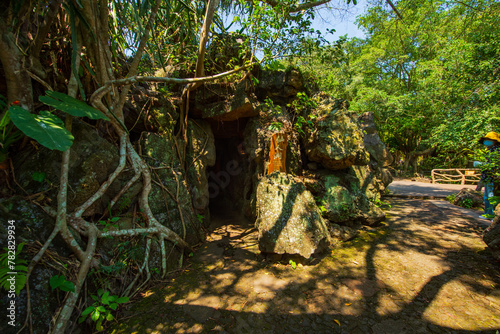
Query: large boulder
{"points": [[169, 199], [468, 198], [257, 143], [336, 140], [373, 144], [347, 201], [200, 155], [32, 225], [92, 160], [288, 218], [279, 85], [491, 236], [227, 103]]}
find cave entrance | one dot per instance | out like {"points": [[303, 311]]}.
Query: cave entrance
{"points": [[229, 178]]}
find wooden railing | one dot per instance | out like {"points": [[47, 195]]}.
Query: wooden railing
{"points": [[456, 175]]}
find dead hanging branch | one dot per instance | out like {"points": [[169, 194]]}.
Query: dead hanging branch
{"points": [[98, 95]]}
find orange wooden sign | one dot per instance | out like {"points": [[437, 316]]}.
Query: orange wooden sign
{"points": [[277, 153]]}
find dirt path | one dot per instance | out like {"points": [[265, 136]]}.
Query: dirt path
{"points": [[408, 188], [424, 271]]}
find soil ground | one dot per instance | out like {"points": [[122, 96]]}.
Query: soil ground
{"points": [[424, 270]]}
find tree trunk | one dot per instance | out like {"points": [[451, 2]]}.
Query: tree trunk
{"points": [[18, 81], [412, 157]]}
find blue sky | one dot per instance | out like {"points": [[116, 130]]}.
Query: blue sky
{"points": [[342, 20], [343, 24]]}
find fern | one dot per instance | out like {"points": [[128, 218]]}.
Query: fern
{"points": [[13, 264]]}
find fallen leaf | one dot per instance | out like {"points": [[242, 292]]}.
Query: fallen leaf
{"points": [[348, 304], [336, 321]]}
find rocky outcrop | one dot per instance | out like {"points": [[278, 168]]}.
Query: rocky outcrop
{"points": [[288, 219], [223, 103], [169, 199], [468, 198], [200, 156], [373, 144], [32, 225], [279, 86], [336, 140], [92, 159], [491, 236], [380, 157], [348, 200]]}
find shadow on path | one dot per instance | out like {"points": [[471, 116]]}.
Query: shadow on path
{"points": [[425, 271]]}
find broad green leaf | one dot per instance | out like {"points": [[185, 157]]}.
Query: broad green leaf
{"points": [[113, 306], [56, 281], [38, 176], [109, 317], [87, 311], [71, 105], [61, 283], [122, 300], [67, 286], [45, 128], [95, 315], [101, 309]]}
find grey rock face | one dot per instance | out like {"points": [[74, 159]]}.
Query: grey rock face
{"points": [[201, 154], [169, 199], [336, 141], [373, 144], [491, 236], [288, 218]]}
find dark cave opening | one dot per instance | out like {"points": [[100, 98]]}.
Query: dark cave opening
{"points": [[228, 179]]}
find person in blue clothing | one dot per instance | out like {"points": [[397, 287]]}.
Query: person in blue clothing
{"points": [[492, 143]]}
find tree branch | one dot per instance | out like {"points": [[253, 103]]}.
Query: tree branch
{"points": [[394, 9], [96, 98], [298, 8]]}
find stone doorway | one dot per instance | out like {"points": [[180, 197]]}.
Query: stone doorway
{"points": [[228, 179]]}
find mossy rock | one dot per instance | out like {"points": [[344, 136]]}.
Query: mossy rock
{"points": [[289, 221], [169, 199], [336, 140]]}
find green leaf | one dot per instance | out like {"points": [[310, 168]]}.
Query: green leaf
{"points": [[122, 300], [101, 309], [113, 306], [87, 311], [109, 317], [99, 325], [45, 128], [38, 176], [71, 105], [5, 119], [95, 315], [67, 286], [56, 281], [61, 283], [105, 298]]}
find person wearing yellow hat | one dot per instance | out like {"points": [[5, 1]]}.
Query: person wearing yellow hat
{"points": [[492, 143]]}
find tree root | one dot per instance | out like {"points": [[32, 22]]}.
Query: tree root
{"points": [[69, 305], [144, 265]]}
